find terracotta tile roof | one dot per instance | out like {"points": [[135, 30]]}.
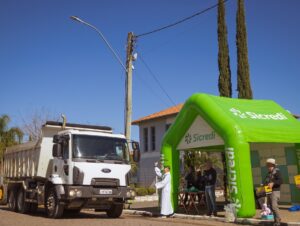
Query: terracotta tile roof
{"points": [[167, 112]]}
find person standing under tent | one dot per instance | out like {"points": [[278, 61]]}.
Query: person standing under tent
{"points": [[165, 186], [274, 181], [210, 178], [190, 181]]}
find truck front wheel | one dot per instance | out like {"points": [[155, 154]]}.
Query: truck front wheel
{"points": [[54, 208], [12, 201], [115, 210]]}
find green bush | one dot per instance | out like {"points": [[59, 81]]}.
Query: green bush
{"points": [[151, 190], [142, 191]]}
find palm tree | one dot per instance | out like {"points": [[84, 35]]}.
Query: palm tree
{"points": [[8, 136]]}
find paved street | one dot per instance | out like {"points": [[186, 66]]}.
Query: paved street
{"points": [[86, 218]]}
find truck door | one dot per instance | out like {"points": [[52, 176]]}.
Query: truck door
{"points": [[61, 162]]}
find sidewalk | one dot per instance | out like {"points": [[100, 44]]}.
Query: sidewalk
{"points": [[150, 209]]}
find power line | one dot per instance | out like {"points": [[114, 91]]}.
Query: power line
{"points": [[144, 82], [156, 79], [180, 21]]}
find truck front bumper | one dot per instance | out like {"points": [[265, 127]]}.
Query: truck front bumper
{"points": [[87, 192]]}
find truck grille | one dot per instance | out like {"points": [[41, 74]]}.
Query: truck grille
{"points": [[105, 182]]}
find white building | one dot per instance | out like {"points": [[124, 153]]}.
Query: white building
{"points": [[151, 131]]}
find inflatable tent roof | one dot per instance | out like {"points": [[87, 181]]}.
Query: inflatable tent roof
{"points": [[256, 120]]}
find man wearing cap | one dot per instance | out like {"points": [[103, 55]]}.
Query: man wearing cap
{"points": [[273, 180], [165, 186]]}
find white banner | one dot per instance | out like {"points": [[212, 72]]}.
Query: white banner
{"points": [[200, 134]]}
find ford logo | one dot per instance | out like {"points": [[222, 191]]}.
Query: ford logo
{"points": [[106, 170]]}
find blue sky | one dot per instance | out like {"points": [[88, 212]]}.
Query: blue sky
{"points": [[49, 62]]}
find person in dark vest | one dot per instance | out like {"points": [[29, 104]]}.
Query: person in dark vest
{"points": [[274, 181], [190, 181], [210, 178]]}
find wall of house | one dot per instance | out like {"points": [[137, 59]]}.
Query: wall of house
{"points": [[286, 159], [146, 175]]}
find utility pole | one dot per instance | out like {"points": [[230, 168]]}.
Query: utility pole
{"points": [[128, 84]]}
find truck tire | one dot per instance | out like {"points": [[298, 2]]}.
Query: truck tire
{"points": [[115, 210], [54, 208], [12, 200], [22, 206]]}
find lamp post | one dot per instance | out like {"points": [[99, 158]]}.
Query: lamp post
{"points": [[128, 70], [102, 36]]}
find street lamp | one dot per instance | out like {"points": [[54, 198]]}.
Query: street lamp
{"points": [[75, 18], [128, 70]]}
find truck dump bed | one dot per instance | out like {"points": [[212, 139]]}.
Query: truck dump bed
{"points": [[34, 159]]}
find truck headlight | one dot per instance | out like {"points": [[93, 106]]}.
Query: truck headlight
{"points": [[72, 193], [78, 193], [132, 193], [75, 193]]}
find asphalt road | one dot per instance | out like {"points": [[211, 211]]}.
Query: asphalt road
{"points": [[90, 218]]}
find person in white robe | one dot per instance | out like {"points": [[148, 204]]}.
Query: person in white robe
{"points": [[165, 186]]}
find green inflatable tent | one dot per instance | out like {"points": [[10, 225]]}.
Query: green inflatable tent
{"points": [[238, 122]]}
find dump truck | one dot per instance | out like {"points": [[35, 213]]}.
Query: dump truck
{"points": [[71, 167]]}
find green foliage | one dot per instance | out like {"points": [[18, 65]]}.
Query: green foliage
{"points": [[198, 159], [243, 74], [8, 137], [225, 87], [141, 191], [151, 190], [134, 165]]}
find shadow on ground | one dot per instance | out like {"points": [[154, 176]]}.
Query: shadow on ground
{"points": [[81, 215]]}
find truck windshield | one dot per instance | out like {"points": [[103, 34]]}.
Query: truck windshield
{"points": [[100, 148]]}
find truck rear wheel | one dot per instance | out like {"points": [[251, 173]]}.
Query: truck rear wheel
{"points": [[12, 201], [22, 206], [115, 210], [54, 208]]}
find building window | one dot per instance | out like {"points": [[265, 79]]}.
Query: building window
{"points": [[145, 139], [168, 126], [153, 138]]}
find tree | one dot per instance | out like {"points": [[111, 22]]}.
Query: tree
{"points": [[197, 158], [243, 74], [33, 123], [8, 137], [225, 88]]}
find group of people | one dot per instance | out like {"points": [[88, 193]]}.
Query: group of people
{"points": [[206, 182], [203, 181]]}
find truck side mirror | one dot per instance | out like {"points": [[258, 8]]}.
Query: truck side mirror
{"points": [[136, 151], [56, 139], [56, 150]]}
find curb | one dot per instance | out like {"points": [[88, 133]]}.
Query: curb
{"points": [[147, 198], [248, 221]]}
